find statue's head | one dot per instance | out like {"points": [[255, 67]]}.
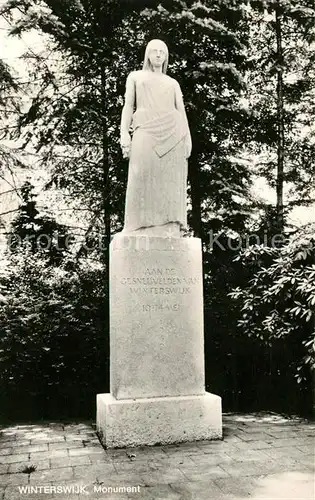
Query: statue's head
{"points": [[156, 54]]}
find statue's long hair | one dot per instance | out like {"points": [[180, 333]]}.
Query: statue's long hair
{"points": [[146, 63]]}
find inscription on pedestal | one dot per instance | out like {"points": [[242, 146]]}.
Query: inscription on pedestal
{"points": [[159, 281]]}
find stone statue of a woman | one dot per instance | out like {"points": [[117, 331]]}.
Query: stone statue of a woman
{"points": [[158, 149]]}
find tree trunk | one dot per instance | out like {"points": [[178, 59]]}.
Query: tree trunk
{"points": [[194, 179], [280, 121], [106, 188], [102, 26]]}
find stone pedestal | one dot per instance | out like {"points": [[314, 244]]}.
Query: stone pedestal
{"points": [[157, 390]]}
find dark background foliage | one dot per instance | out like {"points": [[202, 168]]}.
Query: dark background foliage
{"points": [[234, 66]]}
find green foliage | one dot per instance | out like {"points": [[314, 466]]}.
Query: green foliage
{"points": [[295, 61], [7, 84], [278, 303], [9, 106], [53, 323], [53, 338], [77, 130], [40, 233], [52, 312]]}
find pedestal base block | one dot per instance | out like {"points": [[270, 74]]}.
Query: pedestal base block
{"points": [[159, 420]]}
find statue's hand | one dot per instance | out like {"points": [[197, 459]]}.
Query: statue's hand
{"points": [[125, 143]]}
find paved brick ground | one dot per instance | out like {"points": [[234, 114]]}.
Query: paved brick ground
{"points": [[261, 457]]}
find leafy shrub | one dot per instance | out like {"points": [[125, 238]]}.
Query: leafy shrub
{"points": [[279, 302], [53, 336]]}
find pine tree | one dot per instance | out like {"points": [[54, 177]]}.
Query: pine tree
{"points": [[282, 82], [206, 43], [38, 232]]}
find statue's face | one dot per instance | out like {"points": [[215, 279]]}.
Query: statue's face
{"points": [[157, 54]]}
